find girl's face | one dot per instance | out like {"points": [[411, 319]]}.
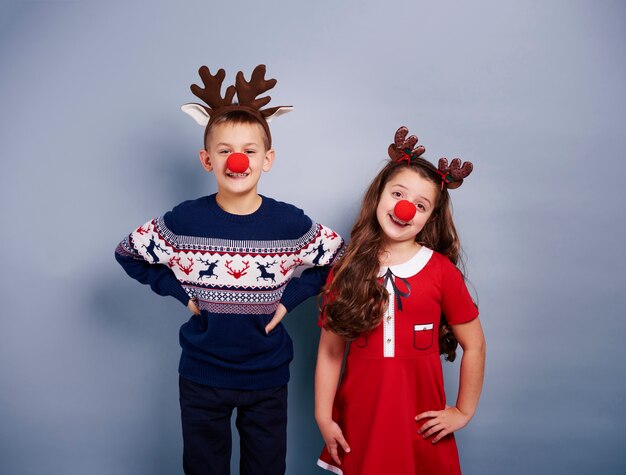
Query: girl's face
{"points": [[411, 186]]}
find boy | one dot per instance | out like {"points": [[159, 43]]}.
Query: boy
{"points": [[231, 258]]}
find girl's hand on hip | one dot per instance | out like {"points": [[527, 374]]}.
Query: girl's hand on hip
{"points": [[333, 438], [441, 423]]}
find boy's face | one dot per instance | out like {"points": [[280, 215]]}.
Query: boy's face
{"points": [[228, 138]]}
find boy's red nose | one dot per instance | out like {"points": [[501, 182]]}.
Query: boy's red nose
{"points": [[237, 162], [404, 210]]}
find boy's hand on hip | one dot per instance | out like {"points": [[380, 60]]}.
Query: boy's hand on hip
{"points": [[281, 311], [193, 307]]}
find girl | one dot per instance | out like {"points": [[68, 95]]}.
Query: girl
{"points": [[396, 286]]}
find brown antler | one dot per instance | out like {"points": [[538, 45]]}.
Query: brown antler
{"points": [[247, 91], [454, 173], [211, 93], [403, 148]]}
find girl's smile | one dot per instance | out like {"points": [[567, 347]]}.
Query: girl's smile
{"points": [[397, 221]]}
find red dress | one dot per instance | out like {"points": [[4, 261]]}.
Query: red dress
{"points": [[394, 373]]}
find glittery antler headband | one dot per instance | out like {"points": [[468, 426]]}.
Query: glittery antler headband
{"points": [[404, 148], [247, 92], [452, 175]]}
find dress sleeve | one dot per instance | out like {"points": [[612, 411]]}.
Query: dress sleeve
{"points": [[145, 256], [456, 303]]}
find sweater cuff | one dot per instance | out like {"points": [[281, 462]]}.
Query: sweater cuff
{"points": [[292, 301], [174, 289]]}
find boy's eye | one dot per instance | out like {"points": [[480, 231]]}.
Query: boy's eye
{"points": [[250, 151], [224, 151]]}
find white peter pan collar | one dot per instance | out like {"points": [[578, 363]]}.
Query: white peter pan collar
{"points": [[411, 267]]}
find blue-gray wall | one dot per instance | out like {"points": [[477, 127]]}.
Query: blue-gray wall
{"points": [[92, 144]]}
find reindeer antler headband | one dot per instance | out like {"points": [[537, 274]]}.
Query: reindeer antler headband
{"points": [[404, 148], [247, 92]]}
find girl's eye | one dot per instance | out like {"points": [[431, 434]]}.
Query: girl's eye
{"points": [[396, 194], [421, 207]]}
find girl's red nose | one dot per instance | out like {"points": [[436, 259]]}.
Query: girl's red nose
{"points": [[404, 210], [237, 162]]}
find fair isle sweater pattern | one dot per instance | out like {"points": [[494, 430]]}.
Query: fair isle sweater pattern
{"points": [[231, 276]]}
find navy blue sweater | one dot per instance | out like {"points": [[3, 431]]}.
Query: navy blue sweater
{"points": [[238, 269]]}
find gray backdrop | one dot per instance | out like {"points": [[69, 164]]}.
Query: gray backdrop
{"points": [[93, 144]]}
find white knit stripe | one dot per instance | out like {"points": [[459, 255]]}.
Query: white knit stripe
{"points": [[148, 243], [237, 271], [253, 296], [389, 323], [235, 264], [330, 468]]}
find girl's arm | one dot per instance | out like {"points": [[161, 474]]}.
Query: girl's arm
{"points": [[327, 372], [470, 337]]}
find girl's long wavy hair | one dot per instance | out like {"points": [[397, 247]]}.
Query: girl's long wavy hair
{"points": [[355, 300]]}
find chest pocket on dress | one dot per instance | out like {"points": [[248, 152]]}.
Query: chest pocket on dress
{"points": [[423, 336]]}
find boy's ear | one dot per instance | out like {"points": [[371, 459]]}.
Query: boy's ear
{"points": [[205, 159], [268, 161]]}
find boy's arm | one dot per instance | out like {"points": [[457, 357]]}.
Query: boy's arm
{"points": [[321, 251], [146, 257], [316, 257]]}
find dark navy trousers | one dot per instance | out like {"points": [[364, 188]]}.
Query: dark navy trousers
{"points": [[261, 421]]}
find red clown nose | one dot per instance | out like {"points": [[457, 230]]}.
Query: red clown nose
{"points": [[237, 162], [404, 210]]}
